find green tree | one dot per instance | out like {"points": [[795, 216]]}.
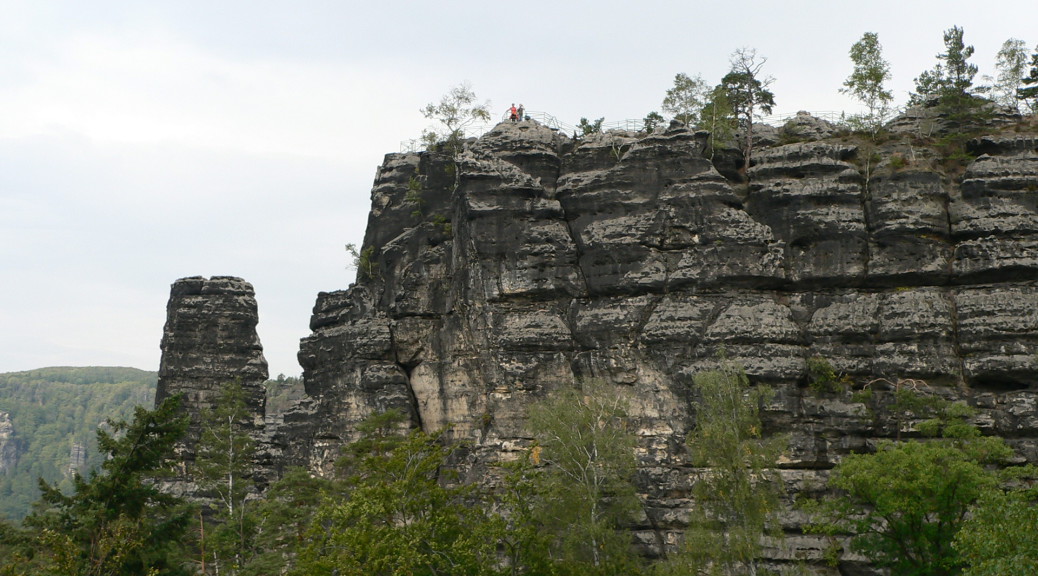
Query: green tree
{"points": [[588, 128], [1028, 92], [117, 522], [403, 512], [718, 117], [586, 491], [1000, 535], [867, 82], [747, 93], [738, 491], [457, 110], [223, 468], [652, 121], [525, 544], [905, 503], [952, 78], [1011, 64], [686, 98], [282, 518]]}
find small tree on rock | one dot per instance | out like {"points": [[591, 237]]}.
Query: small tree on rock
{"points": [[457, 110], [748, 93], [866, 82], [686, 98], [952, 78], [1011, 63]]}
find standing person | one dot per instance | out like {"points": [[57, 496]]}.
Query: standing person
{"points": [[513, 114], [522, 111]]}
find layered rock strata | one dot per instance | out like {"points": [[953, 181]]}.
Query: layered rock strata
{"points": [[534, 260], [210, 339]]}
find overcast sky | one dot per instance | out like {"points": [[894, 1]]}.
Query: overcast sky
{"points": [[146, 141]]}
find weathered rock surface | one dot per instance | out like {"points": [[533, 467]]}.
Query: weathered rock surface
{"points": [[8, 443], [209, 340], [535, 260]]}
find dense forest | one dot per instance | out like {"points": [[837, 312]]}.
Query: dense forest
{"points": [[945, 506], [55, 414]]}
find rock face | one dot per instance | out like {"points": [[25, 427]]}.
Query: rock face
{"points": [[542, 260], [534, 260], [8, 443], [210, 339]]}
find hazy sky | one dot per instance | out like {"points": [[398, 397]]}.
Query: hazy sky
{"points": [[141, 142]]}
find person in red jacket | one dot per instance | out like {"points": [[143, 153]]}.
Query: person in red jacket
{"points": [[513, 114]]}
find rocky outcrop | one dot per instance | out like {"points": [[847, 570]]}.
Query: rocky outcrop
{"points": [[8, 443], [534, 260], [209, 340]]}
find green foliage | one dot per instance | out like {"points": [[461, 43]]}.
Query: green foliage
{"points": [[653, 121], [401, 515], [443, 223], [1028, 92], [898, 162], [117, 521], [718, 117], [1011, 63], [364, 261], [904, 504], [53, 408], [747, 93], [866, 83], [822, 379], [738, 492], [685, 100], [1000, 535], [367, 265], [951, 79], [525, 544], [223, 470], [414, 196], [585, 494], [587, 128], [284, 391], [952, 148], [457, 110], [281, 520]]}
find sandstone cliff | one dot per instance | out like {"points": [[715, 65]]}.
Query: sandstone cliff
{"points": [[210, 339], [534, 260]]}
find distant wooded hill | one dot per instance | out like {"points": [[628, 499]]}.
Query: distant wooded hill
{"points": [[54, 414]]}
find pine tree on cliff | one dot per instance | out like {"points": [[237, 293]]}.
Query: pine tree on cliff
{"points": [[748, 93], [952, 78]]}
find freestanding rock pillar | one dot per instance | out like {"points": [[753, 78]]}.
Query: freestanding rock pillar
{"points": [[210, 339]]}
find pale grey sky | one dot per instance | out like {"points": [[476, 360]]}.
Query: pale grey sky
{"points": [[141, 142]]}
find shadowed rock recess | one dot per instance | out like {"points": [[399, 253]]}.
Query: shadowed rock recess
{"points": [[535, 260]]}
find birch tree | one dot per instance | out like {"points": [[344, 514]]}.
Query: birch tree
{"points": [[867, 82]]}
